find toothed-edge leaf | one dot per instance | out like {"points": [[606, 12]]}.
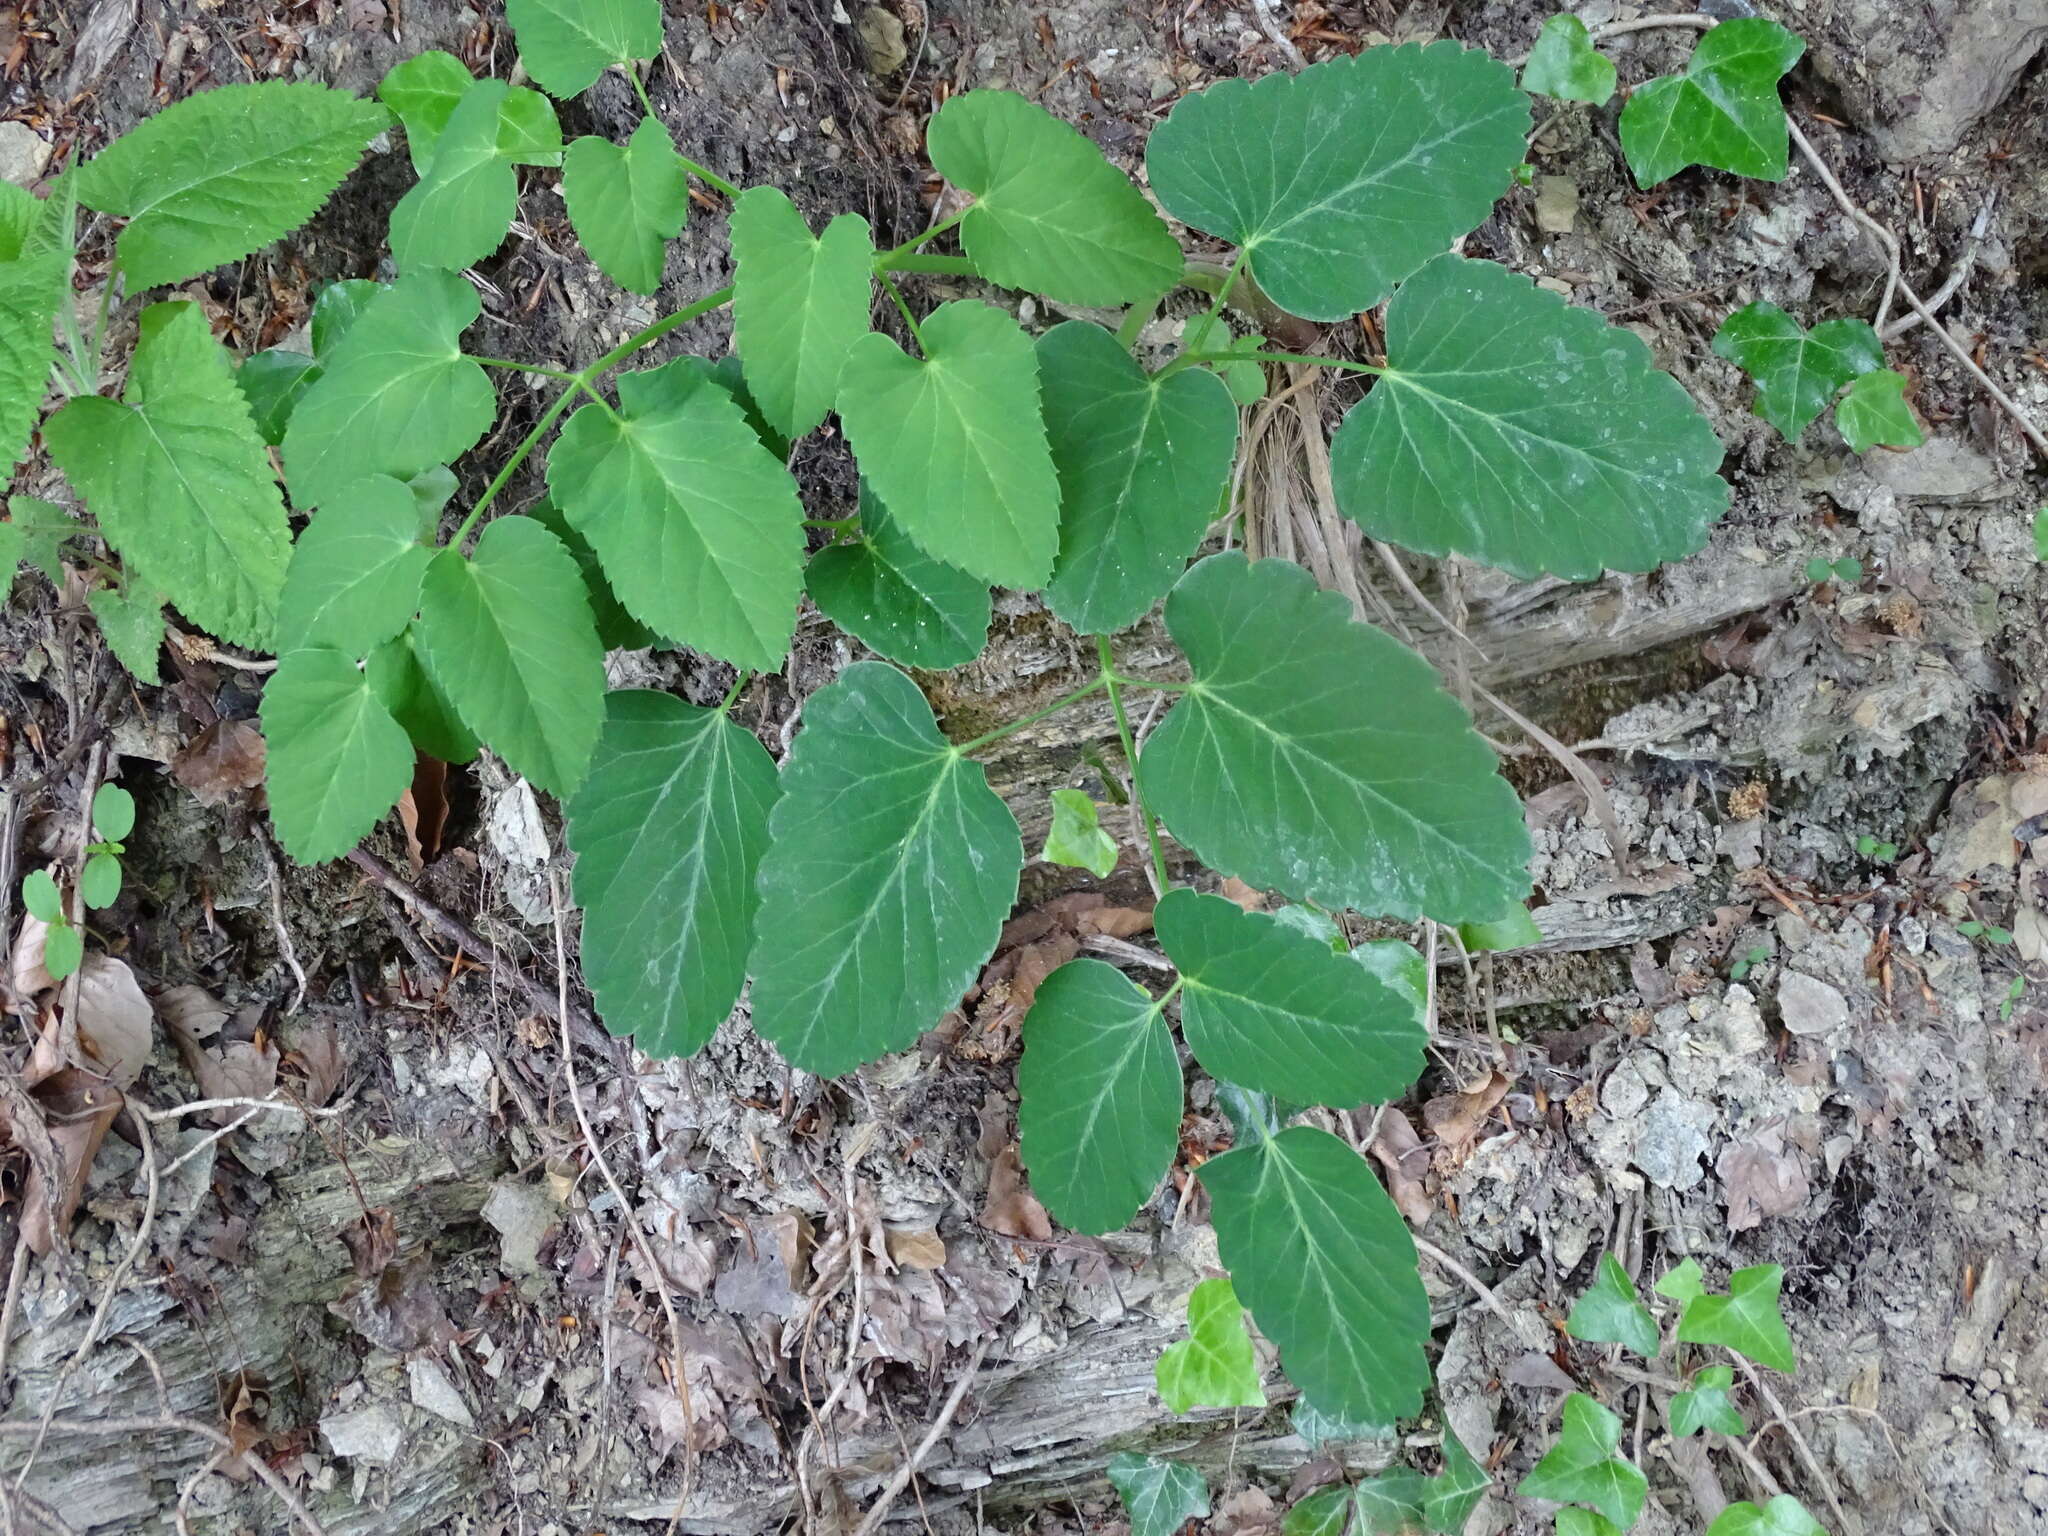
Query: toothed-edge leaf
{"points": [[1075, 838], [1277, 767], [113, 813], [1610, 1311], [697, 525], [179, 480], [668, 831], [954, 444], [1565, 66], [616, 629], [890, 870], [1143, 463], [397, 396], [99, 883], [273, 382], [566, 44], [1707, 1405], [1746, 1320], [1159, 1495], [354, 579], [1515, 429], [508, 640], [1342, 179], [1781, 1516], [63, 951], [627, 204], [1721, 111], [1050, 215], [1390, 1503], [226, 172], [1797, 371], [896, 599], [1582, 1467], [1268, 1007], [462, 206], [1326, 1512], [1324, 1263], [35, 271], [800, 302], [1682, 1282], [1100, 1095], [1214, 1366], [1874, 411], [424, 91], [1450, 1497], [337, 760], [132, 619], [429, 719]]}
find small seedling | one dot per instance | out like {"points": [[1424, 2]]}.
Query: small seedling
{"points": [[63, 946], [1750, 959], [1990, 933], [99, 882], [1877, 852], [2041, 534], [2014, 991], [1848, 570]]}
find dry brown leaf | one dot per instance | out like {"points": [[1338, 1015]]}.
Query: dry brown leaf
{"points": [[29, 975], [113, 1020], [1455, 1118], [316, 1051], [399, 1310], [1762, 1177], [191, 1010], [79, 1108], [220, 761], [793, 1238], [1011, 1208], [372, 1241], [1235, 890], [1401, 1152], [921, 1248]]}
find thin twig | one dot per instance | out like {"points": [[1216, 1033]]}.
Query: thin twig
{"points": [[889, 1494], [168, 1424], [1269, 23], [1478, 1288], [1958, 274], [1827, 1484], [277, 925]]}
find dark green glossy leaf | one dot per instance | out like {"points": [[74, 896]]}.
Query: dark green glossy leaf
{"points": [[1160, 1496], [1610, 1312], [1797, 372], [896, 599], [1746, 1320], [272, 383], [1455, 1491], [1584, 1467], [1722, 111]]}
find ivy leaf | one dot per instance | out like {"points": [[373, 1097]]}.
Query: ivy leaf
{"points": [[1160, 1496], [1515, 429], [1325, 1512], [1707, 1405], [1610, 1312], [1746, 1320], [891, 868], [402, 684], [1682, 1283], [1318, 1429], [180, 481], [273, 381], [1389, 1504], [460, 209], [226, 172], [1324, 1262], [1274, 767], [132, 619], [508, 640], [35, 272], [617, 630], [627, 204], [337, 760], [1874, 411], [1344, 178], [955, 445], [1573, 1521], [1050, 214], [1723, 111], [1582, 1467], [800, 302], [397, 397], [99, 882], [424, 91], [668, 830], [896, 599], [698, 526], [354, 579], [566, 44], [1076, 838], [1565, 65], [1782, 1516], [1272, 1009], [1452, 1495], [1143, 463], [1797, 372], [1214, 1366]]}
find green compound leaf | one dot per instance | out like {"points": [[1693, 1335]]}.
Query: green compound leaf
{"points": [[1573, 1521], [180, 481], [113, 813], [1515, 429], [63, 951], [1389, 1504], [1707, 1405], [566, 44], [397, 397], [1050, 214], [698, 526], [1076, 838], [1746, 1320], [224, 173], [1611, 1312], [337, 760], [1797, 372], [955, 445], [896, 599], [1272, 1009], [99, 883], [508, 640], [668, 830], [616, 629], [1583, 1468], [40, 895], [425, 90], [132, 619], [1214, 1366], [273, 382], [1277, 768], [1874, 411], [1452, 1495], [627, 204], [1143, 463], [35, 271], [354, 580], [1343, 179], [461, 208], [891, 869], [401, 682], [1723, 111], [800, 302], [1565, 65], [1782, 1516], [1682, 1283], [1159, 1495], [1325, 1512], [1325, 1264]]}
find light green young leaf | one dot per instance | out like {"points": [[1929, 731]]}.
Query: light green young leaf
{"points": [[1565, 65], [99, 883], [1272, 1009], [627, 204], [890, 870], [1797, 372], [424, 91], [113, 813], [1143, 463], [460, 209], [567, 44], [1514, 929], [1782, 1516], [132, 619], [1390, 1503], [1746, 1320], [1324, 1262], [1455, 1491], [896, 599], [800, 302], [1682, 1282], [1707, 1405], [403, 686], [1050, 214], [63, 951], [337, 760], [1344, 178], [508, 640], [180, 481], [40, 895], [225, 172], [1874, 411], [955, 445], [1076, 838], [354, 579], [1214, 1366], [1160, 1496], [273, 382], [1326, 1512], [1515, 429], [20, 211], [1583, 1467], [35, 271], [617, 630], [1573, 1521], [698, 526], [1723, 111], [668, 830], [1276, 768], [1610, 1312], [1246, 381]]}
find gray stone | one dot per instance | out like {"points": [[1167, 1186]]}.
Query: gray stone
{"points": [[365, 1434], [521, 1216], [1809, 1006], [1673, 1140], [433, 1391], [23, 154]]}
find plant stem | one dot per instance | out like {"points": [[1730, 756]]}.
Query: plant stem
{"points": [[1281, 357], [707, 176], [930, 266], [888, 257], [1123, 735], [1134, 320], [512, 367], [657, 330], [1033, 718], [733, 693], [904, 309], [1145, 682]]}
